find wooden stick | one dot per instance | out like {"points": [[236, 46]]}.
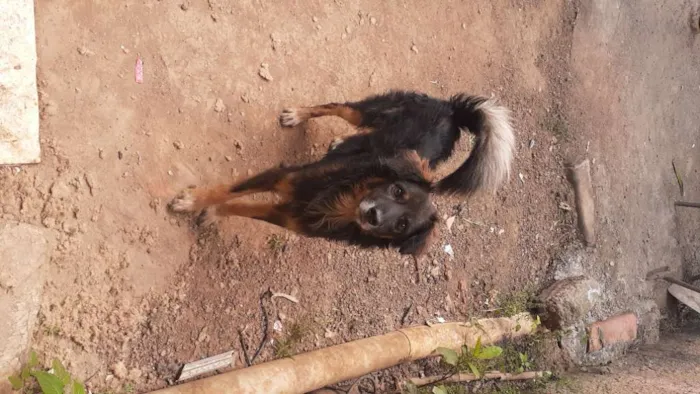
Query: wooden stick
{"points": [[468, 377], [682, 284], [687, 204], [323, 367]]}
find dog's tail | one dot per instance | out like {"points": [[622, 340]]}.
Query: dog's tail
{"points": [[488, 165]]}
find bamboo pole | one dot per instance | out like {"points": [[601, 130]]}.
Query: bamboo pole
{"points": [[319, 368]]}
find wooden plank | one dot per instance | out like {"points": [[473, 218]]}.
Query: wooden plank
{"points": [[207, 365], [19, 104], [686, 296]]}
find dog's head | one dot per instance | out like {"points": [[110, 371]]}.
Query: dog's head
{"points": [[400, 209]]}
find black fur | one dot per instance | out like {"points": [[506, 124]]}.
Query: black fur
{"points": [[402, 120]]}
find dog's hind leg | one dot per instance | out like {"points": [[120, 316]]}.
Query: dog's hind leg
{"points": [[193, 199], [291, 117], [271, 213]]}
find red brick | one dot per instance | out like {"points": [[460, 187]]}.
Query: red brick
{"points": [[621, 328]]}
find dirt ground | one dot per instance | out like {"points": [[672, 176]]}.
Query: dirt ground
{"points": [[134, 291]]}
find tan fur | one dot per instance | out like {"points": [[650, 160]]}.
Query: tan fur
{"points": [[342, 210], [421, 164]]}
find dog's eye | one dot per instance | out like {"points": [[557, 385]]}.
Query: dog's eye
{"points": [[401, 225], [397, 191]]}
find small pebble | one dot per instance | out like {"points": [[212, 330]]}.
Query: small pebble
{"points": [[219, 106], [314, 19], [448, 249], [264, 72], [373, 20], [85, 52], [119, 370], [228, 158], [414, 48]]}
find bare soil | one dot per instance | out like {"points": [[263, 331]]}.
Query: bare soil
{"points": [[134, 291]]}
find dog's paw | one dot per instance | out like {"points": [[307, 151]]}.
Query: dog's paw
{"points": [[291, 117], [184, 202], [207, 217], [336, 143]]}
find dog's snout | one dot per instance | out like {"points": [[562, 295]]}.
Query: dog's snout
{"points": [[373, 216]]}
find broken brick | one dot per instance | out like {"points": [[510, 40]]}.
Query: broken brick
{"points": [[618, 329]]}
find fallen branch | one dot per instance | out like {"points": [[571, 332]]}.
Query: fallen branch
{"points": [[265, 323], [323, 367], [468, 377], [285, 296]]}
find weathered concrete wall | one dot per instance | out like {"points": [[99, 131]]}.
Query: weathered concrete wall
{"points": [[19, 107], [24, 254]]}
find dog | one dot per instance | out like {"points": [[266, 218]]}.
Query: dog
{"points": [[373, 188]]}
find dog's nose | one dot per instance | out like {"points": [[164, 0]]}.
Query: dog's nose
{"points": [[373, 216]]}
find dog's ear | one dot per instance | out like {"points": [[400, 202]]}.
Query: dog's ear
{"points": [[419, 242]]}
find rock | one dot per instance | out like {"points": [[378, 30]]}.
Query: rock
{"points": [[119, 370], [49, 222], [70, 226], [264, 72], [373, 21], [570, 263], [135, 374], [24, 252], [185, 6], [179, 145], [612, 331], [414, 48], [219, 106], [435, 272], [449, 222], [648, 316], [568, 301], [573, 343], [203, 336], [314, 19], [85, 52], [228, 158]]}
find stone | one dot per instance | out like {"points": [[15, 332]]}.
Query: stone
{"points": [[19, 99], [648, 318], [609, 332], [24, 252], [219, 105], [568, 301], [119, 370], [570, 263], [573, 343], [264, 72]]}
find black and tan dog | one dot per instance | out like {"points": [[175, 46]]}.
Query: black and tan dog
{"points": [[373, 188]]}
